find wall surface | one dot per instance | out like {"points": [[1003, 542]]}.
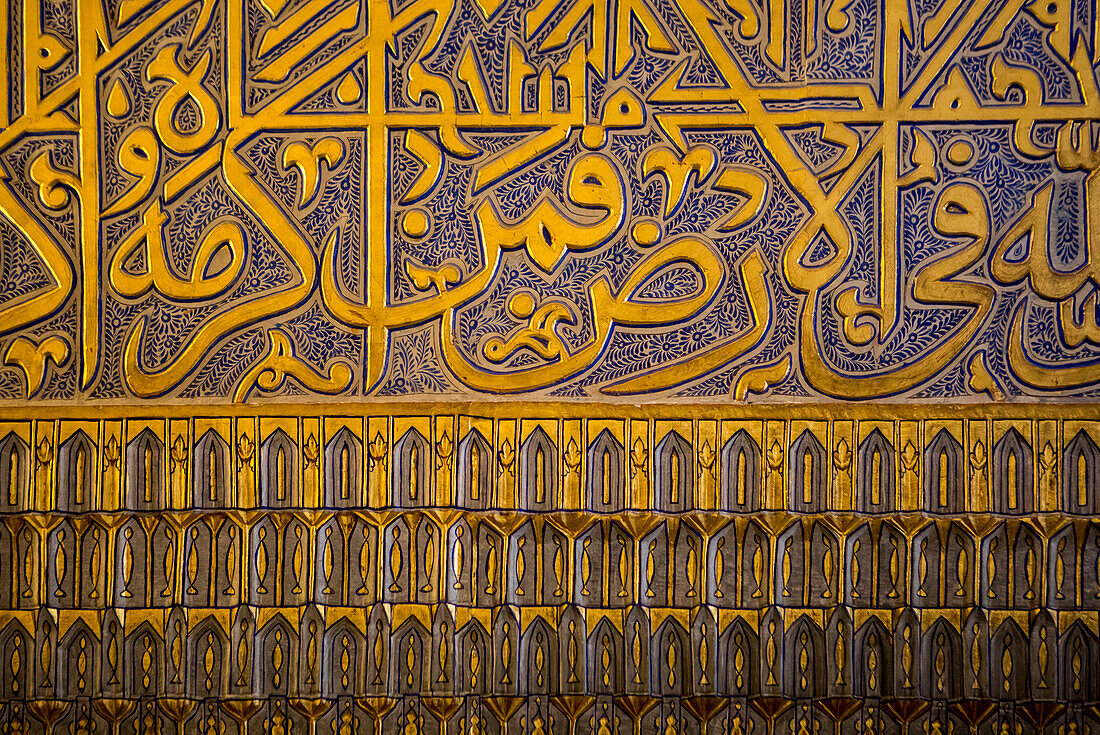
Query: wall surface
{"points": [[550, 366]]}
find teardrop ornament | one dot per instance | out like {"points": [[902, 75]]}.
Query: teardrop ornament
{"points": [[118, 100], [349, 90]]}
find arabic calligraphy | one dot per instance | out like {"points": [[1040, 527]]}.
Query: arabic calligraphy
{"points": [[750, 200]]}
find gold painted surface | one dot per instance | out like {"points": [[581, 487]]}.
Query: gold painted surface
{"points": [[549, 367]]}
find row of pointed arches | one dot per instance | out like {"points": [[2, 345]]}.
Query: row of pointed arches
{"points": [[542, 471], [560, 652], [485, 560]]}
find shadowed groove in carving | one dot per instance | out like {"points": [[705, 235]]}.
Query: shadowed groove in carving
{"points": [[343, 479], [538, 472], [944, 463], [673, 474], [808, 484], [279, 481], [410, 484], [77, 472], [741, 474], [1013, 489], [14, 473], [476, 471], [606, 487], [210, 471], [875, 474], [1081, 475], [145, 472]]}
